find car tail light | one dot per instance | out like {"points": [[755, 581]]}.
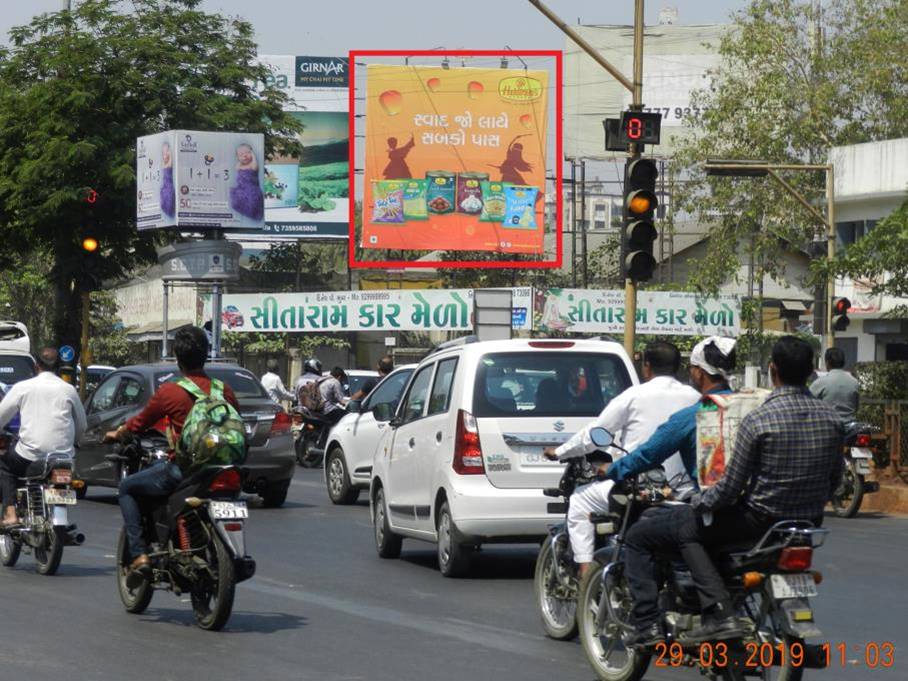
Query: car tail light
{"points": [[281, 423], [551, 345], [61, 476], [862, 440], [795, 558], [467, 448], [226, 481]]}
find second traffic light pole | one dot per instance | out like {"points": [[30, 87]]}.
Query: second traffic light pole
{"points": [[636, 89]]}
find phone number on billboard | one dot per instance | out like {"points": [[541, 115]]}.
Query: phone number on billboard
{"points": [[676, 113]]}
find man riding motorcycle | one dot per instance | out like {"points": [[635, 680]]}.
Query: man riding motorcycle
{"points": [[171, 403], [312, 371], [785, 466], [838, 387], [631, 417], [273, 385], [52, 421]]}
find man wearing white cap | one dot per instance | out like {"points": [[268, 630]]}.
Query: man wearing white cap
{"points": [[711, 363]]}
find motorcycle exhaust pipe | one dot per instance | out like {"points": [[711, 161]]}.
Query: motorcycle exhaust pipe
{"points": [[76, 539]]}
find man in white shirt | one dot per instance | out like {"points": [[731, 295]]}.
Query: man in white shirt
{"points": [[273, 384], [53, 420], [631, 418]]}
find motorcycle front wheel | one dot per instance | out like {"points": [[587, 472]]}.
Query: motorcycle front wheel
{"points": [[559, 615], [212, 597], [9, 550], [49, 554], [134, 600], [600, 634], [846, 501]]}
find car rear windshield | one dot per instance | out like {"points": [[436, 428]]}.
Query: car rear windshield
{"points": [[244, 384], [547, 383], [15, 368]]}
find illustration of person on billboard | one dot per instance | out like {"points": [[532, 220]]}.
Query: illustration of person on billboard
{"points": [[513, 163], [168, 193], [246, 196], [397, 168]]}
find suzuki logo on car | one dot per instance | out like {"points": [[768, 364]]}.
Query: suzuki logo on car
{"points": [[558, 426]]}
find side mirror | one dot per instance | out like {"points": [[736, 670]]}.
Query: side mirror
{"points": [[354, 406], [601, 437], [382, 411]]}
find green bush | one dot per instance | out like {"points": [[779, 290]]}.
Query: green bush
{"points": [[883, 380]]}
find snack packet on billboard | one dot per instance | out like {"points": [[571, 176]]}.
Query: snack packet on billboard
{"points": [[440, 192], [493, 202], [469, 192], [415, 200], [520, 206], [388, 201]]}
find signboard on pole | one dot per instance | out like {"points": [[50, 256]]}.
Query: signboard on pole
{"points": [[200, 180], [400, 310], [455, 159], [669, 313]]}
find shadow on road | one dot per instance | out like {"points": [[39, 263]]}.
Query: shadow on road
{"points": [[239, 622], [85, 570], [488, 563]]}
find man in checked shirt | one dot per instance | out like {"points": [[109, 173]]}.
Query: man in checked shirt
{"points": [[787, 462]]}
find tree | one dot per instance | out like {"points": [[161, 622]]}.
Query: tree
{"points": [[108, 339], [76, 90], [790, 85], [312, 266], [25, 292]]}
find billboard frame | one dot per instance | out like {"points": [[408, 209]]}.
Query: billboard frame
{"points": [[558, 56]]}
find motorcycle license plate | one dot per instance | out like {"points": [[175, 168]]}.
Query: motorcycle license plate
{"points": [[65, 497], [861, 453], [862, 466], [228, 510], [793, 586]]}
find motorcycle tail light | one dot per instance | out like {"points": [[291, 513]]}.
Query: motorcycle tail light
{"points": [[862, 440], [233, 527], [795, 558], [281, 423], [226, 481], [61, 476]]}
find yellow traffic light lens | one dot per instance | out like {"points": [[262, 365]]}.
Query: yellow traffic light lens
{"points": [[639, 205], [90, 244]]}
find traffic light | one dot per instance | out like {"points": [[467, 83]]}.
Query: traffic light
{"points": [[90, 264], [840, 307], [640, 204]]}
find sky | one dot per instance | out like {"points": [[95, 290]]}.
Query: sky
{"points": [[317, 27]]}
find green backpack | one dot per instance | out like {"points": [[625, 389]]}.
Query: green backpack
{"points": [[213, 434]]}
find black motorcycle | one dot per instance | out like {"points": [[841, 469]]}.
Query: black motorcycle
{"points": [[770, 583], [196, 539], [308, 429], [557, 577], [858, 452], [43, 497]]}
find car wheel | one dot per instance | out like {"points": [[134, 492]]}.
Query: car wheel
{"points": [[337, 479], [276, 494], [387, 543], [453, 557]]}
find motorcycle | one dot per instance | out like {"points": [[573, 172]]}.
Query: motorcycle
{"points": [[557, 579], [43, 497], [307, 432], [770, 583], [196, 539], [858, 452]]}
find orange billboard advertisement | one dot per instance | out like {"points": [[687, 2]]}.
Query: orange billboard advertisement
{"points": [[455, 159]]}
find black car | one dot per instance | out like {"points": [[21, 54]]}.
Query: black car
{"points": [[270, 460]]}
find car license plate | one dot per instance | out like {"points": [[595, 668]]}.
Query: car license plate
{"points": [[861, 453], [228, 510], [793, 586], [66, 497]]}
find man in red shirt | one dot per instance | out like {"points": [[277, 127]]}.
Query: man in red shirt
{"points": [[173, 404]]}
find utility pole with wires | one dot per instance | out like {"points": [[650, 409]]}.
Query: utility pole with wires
{"points": [[634, 149]]}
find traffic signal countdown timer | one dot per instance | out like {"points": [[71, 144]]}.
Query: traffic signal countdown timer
{"points": [[640, 204]]}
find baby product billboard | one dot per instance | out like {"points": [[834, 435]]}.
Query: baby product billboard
{"points": [[455, 159], [201, 180]]}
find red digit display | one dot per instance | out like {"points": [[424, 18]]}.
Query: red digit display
{"points": [[634, 128]]}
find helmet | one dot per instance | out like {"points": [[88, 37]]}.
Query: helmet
{"points": [[312, 366]]}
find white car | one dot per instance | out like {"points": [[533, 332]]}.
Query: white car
{"points": [[352, 442], [461, 462]]}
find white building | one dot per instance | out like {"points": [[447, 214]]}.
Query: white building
{"points": [[871, 181]]}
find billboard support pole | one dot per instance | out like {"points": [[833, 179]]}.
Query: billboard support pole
{"points": [[584, 226], [165, 321], [216, 311], [573, 223]]}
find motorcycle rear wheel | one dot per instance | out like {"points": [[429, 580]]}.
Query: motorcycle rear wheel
{"points": [[304, 455], [48, 556], [9, 550], [846, 501], [134, 600], [213, 603], [559, 615], [598, 647]]}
